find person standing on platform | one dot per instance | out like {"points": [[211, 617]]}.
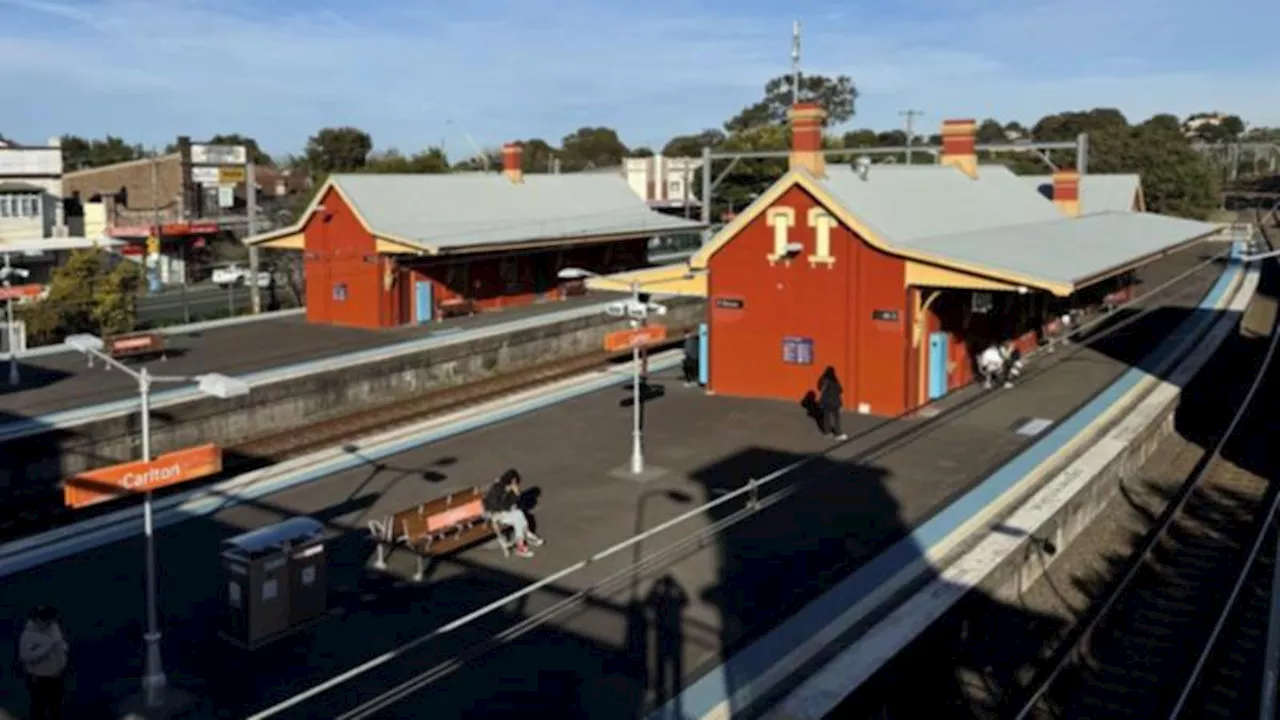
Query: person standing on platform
{"points": [[830, 402], [690, 365], [43, 652]]}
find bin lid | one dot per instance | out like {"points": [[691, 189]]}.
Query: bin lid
{"points": [[271, 537]]}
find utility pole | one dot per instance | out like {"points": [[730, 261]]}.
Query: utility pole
{"points": [[251, 229], [155, 223], [911, 116], [795, 62]]}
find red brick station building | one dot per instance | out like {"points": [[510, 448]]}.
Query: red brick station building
{"points": [[382, 251], [897, 276]]}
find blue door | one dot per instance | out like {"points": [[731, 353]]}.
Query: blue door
{"points": [[422, 304], [937, 365], [704, 346]]}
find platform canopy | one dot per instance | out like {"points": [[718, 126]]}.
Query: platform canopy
{"points": [[990, 232], [488, 212]]}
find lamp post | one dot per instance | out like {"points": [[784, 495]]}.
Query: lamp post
{"points": [[212, 384], [637, 311], [6, 274]]}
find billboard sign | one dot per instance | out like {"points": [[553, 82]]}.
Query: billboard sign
{"points": [[219, 155]]}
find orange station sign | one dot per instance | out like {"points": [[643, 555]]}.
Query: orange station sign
{"points": [[17, 292], [627, 339], [139, 476]]}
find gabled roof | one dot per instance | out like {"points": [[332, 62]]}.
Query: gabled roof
{"points": [[1098, 193], [454, 212], [905, 202], [998, 228], [1069, 251]]}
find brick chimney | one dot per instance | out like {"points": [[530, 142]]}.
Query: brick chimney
{"points": [[513, 162], [806, 138], [1066, 192], [959, 145]]}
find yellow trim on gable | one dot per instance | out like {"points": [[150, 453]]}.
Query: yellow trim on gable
{"points": [[293, 241], [388, 246], [796, 178], [925, 275], [392, 243], [665, 280]]}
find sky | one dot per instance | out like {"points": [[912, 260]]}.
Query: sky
{"points": [[414, 73]]}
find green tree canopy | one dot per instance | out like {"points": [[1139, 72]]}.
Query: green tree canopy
{"points": [[337, 149], [92, 292], [81, 154], [836, 95], [430, 161], [691, 145], [592, 147]]}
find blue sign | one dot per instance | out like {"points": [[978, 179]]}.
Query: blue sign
{"points": [[797, 350]]}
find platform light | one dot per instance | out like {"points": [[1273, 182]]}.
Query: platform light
{"points": [[84, 342], [222, 386]]}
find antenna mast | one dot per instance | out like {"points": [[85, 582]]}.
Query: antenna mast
{"points": [[795, 62]]}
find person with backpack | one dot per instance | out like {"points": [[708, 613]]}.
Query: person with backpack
{"points": [[690, 363], [42, 650], [502, 503]]}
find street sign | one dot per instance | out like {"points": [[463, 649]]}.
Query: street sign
{"points": [[153, 245], [109, 483], [226, 196], [202, 154], [17, 292], [626, 339], [230, 175], [204, 175]]}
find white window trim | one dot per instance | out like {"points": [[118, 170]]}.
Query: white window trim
{"points": [[781, 219], [822, 224]]}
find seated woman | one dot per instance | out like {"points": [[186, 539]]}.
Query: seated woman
{"points": [[502, 503]]}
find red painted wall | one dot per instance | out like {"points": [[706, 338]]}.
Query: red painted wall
{"points": [[338, 253], [832, 305]]}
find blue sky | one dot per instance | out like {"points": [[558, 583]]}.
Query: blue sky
{"points": [[419, 73]]}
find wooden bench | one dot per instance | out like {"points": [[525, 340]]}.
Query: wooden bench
{"points": [[458, 307], [435, 528], [134, 345]]}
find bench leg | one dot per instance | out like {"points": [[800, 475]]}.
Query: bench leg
{"points": [[380, 557], [421, 570]]}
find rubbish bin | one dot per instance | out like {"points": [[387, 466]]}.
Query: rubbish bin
{"points": [[276, 581]]}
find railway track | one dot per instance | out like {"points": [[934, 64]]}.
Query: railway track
{"points": [[1140, 653], [39, 512]]}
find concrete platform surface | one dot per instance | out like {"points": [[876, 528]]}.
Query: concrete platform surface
{"points": [[621, 647], [63, 381]]}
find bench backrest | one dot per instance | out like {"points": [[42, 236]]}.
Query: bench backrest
{"points": [[438, 514], [134, 343]]}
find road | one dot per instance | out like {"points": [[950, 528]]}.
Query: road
{"points": [[202, 301]]}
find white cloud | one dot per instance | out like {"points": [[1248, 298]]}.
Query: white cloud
{"points": [[152, 69]]}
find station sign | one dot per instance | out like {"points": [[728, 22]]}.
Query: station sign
{"points": [[202, 154], [627, 339], [18, 292], [231, 175], [141, 476]]}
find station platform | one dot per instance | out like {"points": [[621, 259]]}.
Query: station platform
{"points": [[62, 381], [622, 648]]}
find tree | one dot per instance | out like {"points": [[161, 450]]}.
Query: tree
{"points": [[80, 154], [641, 152], [991, 132], [537, 156], [92, 292], [430, 161], [836, 95], [749, 178], [337, 150], [592, 147], [1163, 122], [256, 155], [691, 145]]}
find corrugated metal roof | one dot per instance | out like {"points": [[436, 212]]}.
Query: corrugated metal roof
{"points": [[457, 211], [1112, 192], [903, 203], [1066, 250]]}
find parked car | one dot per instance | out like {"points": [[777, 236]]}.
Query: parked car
{"points": [[234, 275]]}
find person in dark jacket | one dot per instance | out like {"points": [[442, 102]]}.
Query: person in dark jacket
{"points": [[690, 365], [502, 502], [830, 402], [43, 652]]}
